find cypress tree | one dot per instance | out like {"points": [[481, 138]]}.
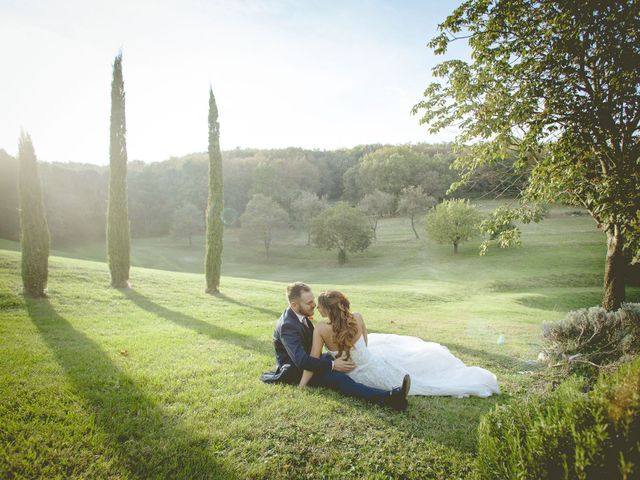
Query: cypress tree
{"points": [[118, 243], [33, 223], [213, 258]]}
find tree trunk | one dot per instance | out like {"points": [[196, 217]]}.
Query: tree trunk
{"points": [[190, 241], [614, 269], [267, 244], [455, 247], [342, 256], [374, 228], [413, 227]]}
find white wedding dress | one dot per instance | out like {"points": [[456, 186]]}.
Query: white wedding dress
{"points": [[433, 369]]}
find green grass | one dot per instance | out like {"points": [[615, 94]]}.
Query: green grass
{"points": [[162, 381]]}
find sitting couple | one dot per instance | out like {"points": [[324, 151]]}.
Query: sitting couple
{"points": [[362, 365]]}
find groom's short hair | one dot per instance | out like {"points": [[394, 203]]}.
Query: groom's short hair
{"points": [[294, 290]]}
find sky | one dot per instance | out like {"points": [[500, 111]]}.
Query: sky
{"points": [[289, 73]]}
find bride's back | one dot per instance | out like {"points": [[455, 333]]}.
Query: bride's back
{"points": [[329, 336], [344, 328]]}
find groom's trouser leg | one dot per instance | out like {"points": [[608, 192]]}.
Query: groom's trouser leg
{"points": [[344, 384]]}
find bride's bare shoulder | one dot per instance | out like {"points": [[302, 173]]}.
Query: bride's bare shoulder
{"points": [[357, 316]]}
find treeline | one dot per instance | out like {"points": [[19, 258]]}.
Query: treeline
{"points": [[160, 193]]}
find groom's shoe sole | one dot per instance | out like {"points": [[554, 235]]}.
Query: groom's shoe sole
{"points": [[406, 386], [398, 398]]}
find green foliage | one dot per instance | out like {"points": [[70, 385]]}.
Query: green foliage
{"points": [[500, 224], [567, 435], [391, 168], [587, 340], [453, 221], [9, 198], [34, 238], [376, 205], [305, 206], [215, 203], [414, 201], [341, 227], [187, 221], [262, 219], [75, 193], [282, 178], [554, 85], [118, 241]]}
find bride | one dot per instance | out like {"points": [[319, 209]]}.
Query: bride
{"points": [[381, 359]]}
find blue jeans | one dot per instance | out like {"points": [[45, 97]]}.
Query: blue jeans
{"points": [[343, 383]]}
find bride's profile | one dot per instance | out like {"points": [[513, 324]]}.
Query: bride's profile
{"points": [[382, 358]]}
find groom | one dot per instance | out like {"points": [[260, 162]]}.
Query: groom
{"points": [[292, 340]]}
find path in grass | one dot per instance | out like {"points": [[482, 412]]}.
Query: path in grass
{"points": [[162, 380]]}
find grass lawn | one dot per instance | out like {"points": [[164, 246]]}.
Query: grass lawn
{"points": [[162, 380]]}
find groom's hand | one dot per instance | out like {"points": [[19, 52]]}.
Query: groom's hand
{"points": [[342, 365]]}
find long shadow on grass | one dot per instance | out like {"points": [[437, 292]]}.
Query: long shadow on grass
{"points": [[200, 326], [561, 301], [492, 359], [147, 443], [228, 299]]}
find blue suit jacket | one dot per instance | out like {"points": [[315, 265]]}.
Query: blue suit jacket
{"points": [[292, 341]]}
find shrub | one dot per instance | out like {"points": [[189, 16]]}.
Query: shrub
{"points": [[589, 339], [569, 434]]}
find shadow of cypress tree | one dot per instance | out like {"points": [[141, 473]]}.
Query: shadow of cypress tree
{"points": [[228, 299], [148, 443], [200, 326], [491, 359]]}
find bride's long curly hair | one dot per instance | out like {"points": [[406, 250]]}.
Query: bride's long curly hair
{"points": [[342, 321]]}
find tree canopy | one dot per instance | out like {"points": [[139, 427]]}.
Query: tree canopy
{"points": [[188, 220], [376, 205], [555, 85], [413, 201], [261, 220], [341, 227], [453, 222], [304, 207]]}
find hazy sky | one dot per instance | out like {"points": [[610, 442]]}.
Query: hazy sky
{"points": [[314, 74]]}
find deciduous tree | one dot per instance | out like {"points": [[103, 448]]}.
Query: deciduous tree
{"points": [[556, 84], [262, 218], [453, 222], [376, 205], [187, 221], [341, 227], [414, 201], [305, 207]]}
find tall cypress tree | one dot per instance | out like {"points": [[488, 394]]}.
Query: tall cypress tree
{"points": [[213, 258], [118, 242], [34, 238]]}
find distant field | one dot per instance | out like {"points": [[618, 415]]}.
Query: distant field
{"points": [[162, 380]]}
